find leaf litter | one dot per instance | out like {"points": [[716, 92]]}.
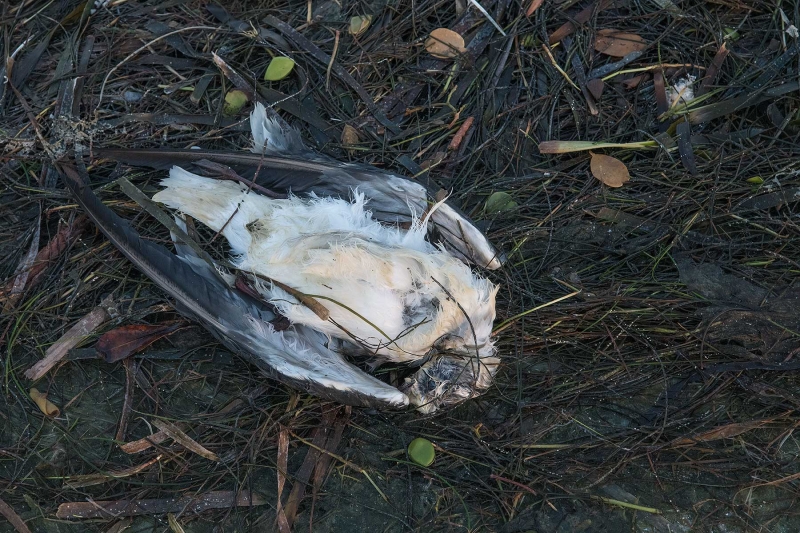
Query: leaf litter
{"points": [[632, 381]]}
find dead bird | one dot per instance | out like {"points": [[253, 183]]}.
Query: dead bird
{"points": [[395, 292], [392, 295]]}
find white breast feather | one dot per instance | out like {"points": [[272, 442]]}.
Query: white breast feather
{"points": [[333, 249]]}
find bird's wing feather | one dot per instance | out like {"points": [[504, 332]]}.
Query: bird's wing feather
{"points": [[295, 357], [392, 198]]}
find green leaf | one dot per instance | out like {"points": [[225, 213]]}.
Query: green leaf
{"points": [[421, 451], [234, 102], [279, 68], [756, 180], [500, 201], [359, 24]]}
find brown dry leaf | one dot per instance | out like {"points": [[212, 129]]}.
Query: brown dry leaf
{"points": [[46, 406], [609, 170], [535, 4], [349, 135], [444, 43], [632, 83], [617, 43], [125, 341]]}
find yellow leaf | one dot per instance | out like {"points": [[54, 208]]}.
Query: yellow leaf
{"points": [[359, 24], [617, 43], [44, 405], [279, 68], [609, 170], [444, 43], [234, 102]]}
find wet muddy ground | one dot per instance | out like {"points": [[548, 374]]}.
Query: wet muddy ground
{"points": [[650, 332]]}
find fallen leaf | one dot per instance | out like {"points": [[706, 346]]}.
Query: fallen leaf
{"points": [[500, 201], [359, 24], [617, 43], [596, 87], [569, 27], [632, 83], [234, 102], [279, 68], [535, 4], [609, 170], [421, 451], [563, 147], [177, 434], [444, 43], [125, 341], [349, 135], [44, 405]]}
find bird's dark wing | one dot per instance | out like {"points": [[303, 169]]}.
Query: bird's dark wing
{"points": [[391, 198], [296, 356]]}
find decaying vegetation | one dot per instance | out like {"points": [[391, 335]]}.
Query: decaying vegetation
{"points": [[649, 319]]}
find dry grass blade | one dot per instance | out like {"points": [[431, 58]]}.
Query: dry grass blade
{"points": [[146, 443], [89, 480], [176, 434], [283, 462], [191, 504], [727, 431], [15, 286], [13, 518]]}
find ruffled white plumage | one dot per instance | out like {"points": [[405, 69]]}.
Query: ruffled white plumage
{"points": [[389, 288]]}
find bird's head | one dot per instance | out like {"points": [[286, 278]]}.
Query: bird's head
{"points": [[449, 379]]}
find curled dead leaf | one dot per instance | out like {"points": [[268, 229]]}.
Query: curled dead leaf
{"points": [[618, 43], [350, 138], [45, 406], [444, 44], [609, 170]]}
